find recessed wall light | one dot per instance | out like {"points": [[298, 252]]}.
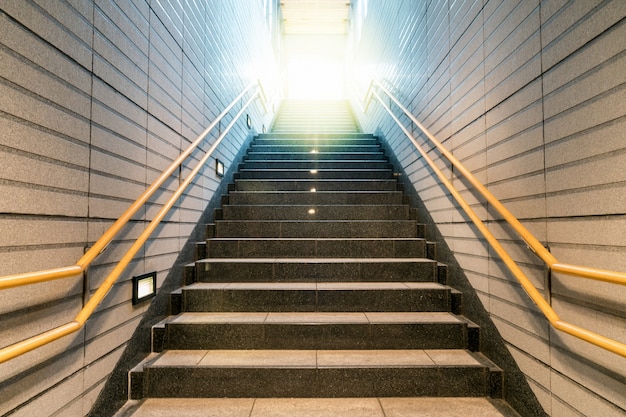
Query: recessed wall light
{"points": [[219, 168], [144, 287]]}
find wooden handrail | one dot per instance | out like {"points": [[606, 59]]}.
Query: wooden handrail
{"points": [[585, 272], [100, 245], [44, 338]]}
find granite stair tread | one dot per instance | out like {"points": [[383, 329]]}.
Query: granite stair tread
{"points": [[316, 228], [315, 174], [320, 184], [318, 359], [234, 247], [315, 330], [315, 280], [312, 196], [311, 296], [321, 286], [318, 407], [316, 211], [310, 318], [327, 269], [317, 260]]}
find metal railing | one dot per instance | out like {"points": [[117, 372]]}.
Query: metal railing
{"points": [[533, 243], [9, 352]]}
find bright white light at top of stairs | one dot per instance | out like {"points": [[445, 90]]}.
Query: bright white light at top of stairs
{"points": [[314, 77]]}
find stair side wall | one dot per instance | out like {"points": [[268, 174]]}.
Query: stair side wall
{"points": [[529, 96], [98, 97]]}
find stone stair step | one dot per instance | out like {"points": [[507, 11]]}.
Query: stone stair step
{"points": [[286, 139], [317, 373], [315, 330], [315, 212], [322, 269], [309, 156], [312, 247], [320, 185], [313, 174], [313, 149], [319, 228], [336, 127], [317, 296], [317, 164], [315, 197], [319, 407]]}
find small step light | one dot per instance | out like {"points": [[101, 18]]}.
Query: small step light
{"points": [[144, 287], [219, 168], [311, 211], [313, 150], [313, 190], [313, 171]]}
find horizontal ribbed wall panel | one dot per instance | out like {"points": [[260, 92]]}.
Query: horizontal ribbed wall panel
{"points": [[530, 97], [98, 97]]}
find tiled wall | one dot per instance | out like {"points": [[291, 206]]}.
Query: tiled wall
{"points": [[531, 96], [96, 99]]}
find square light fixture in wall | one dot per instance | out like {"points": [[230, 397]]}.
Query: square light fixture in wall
{"points": [[219, 168], [144, 287]]}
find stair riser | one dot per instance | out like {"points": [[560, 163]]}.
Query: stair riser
{"points": [[199, 300], [320, 174], [382, 212], [306, 148], [320, 186], [253, 271], [321, 137], [320, 130], [309, 383], [315, 336], [307, 156], [349, 229], [264, 140], [307, 248], [325, 198], [336, 165]]}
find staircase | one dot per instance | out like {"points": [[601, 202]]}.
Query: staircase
{"points": [[315, 294]]}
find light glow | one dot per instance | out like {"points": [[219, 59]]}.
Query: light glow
{"points": [[315, 66]]}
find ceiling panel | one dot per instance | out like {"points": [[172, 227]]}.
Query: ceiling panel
{"points": [[315, 16]]}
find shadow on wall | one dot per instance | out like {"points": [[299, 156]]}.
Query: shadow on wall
{"points": [[115, 392], [516, 390]]}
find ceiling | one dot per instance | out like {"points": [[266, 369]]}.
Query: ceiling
{"points": [[315, 16]]}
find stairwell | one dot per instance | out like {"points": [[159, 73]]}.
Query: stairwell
{"points": [[315, 294]]}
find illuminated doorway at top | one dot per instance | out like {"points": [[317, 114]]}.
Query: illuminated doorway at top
{"points": [[315, 66]]}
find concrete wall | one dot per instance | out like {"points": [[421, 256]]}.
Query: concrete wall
{"points": [[531, 97], [96, 99]]}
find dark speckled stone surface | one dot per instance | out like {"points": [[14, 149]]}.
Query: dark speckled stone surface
{"points": [[337, 302]]}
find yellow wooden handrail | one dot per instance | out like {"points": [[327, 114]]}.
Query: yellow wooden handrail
{"points": [[100, 245], [39, 340], [586, 272]]}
